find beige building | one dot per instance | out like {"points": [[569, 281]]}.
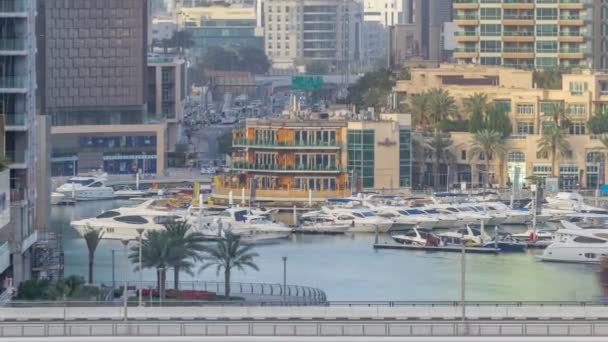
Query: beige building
{"points": [[524, 33], [582, 94], [292, 158]]}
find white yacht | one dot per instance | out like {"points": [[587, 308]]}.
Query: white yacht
{"points": [[406, 218], [360, 220], [122, 223], [414, 236], [321, 224], [577, 245], [471, 236], [512, 216], [86, 188], [57, 197], [251, 228], [465, 214]]}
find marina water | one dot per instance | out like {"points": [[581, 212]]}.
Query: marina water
{"points": [[348, 268]]}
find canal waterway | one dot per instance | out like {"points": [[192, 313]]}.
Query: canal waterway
{"points": [[348, 268]]}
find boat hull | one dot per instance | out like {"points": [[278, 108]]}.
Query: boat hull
{"points": [[575, 254], [507, 246], [89, 195], [323, 229], [370, 227], [117, 232]]}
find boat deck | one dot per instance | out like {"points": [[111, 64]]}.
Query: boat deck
{"points": [[455, 249]]}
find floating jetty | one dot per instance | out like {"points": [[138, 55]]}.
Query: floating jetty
{"points": [[454, 249]]}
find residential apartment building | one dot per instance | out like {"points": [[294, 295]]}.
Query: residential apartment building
{"points": [[582, 94], [600, 36], [301, 31], [378, 17], [525, 33], [295, 158], [228, 26], [19, 143], [95, 88]]}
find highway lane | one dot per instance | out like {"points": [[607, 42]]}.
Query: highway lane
{"points": [[310, 339]]}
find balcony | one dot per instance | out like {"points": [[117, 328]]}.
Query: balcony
{"points": [[11, 8], [465, 4], [13, 84], [276, 168], [518, 36], [12, 46], [466, 20], [286, 145], [15, 122], [571, 4], [571, 37], [518, 52], [466, 52], [466, 36], [571, 20], [16, 159], [518, 4], [572, 53]]}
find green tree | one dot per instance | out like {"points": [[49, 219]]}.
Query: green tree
{"points": [[439, 145], [476, 105], [598, 124], [253, 59], [553, 142], [549, 78], [185, 247], [182, 40], [92, 237], [497, 120], [404, 74], [227, 254], [490, 144], [371, 90], [155, 254], [441, 105], [317, 68], [219, 58], [420, 106]]}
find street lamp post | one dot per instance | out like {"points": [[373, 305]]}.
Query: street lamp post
{"points": [[140, 231], [125, 243], [284, 277]]}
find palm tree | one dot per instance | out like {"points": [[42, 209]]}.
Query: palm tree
{"points": [[439, 145], [557, 112], [477, 102], [155, 254], [553, 141], [185, 247], [420, 108], [441, 105], [487, 143], [92, 237], [227, 254]]}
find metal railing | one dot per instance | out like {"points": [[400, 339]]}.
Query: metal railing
{"points": [[306, 329], [256, 292], [293, 144], [15, 119], [279, 167], [13, 82]]}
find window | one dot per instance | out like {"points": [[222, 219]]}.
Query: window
{"points": [[490, 14], [463, 155], [546, 30], [586, 239], [546, 62], [576, 109], [131, 219], [546, 106], [490, 61], [542, 169], [516, 157], [546, 46], [108, 214], [504, 105], [493, 30], [96, 185], [577, 128], [525, 109], [542, 155], [490, 46], [546, 14], [578, 88], [525, 128]]}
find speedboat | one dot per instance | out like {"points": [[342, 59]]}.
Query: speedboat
{"points": [[530, 234], [415, 236], [512, 216], [360, 220], [122, 223], [565, 200], [86, 188], [321, 224], [577, 245], [471, 236], [251, 228], [506, 243]]}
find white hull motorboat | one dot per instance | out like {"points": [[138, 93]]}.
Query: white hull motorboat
{"points": [[86, 188], [129, 193], [577, 245], [359, 220], [322, 224], [414, 237], [539, 235], [57, 198], [251, 228]]}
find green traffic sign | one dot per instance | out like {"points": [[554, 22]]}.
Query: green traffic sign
{"points": [[307, 82]]}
